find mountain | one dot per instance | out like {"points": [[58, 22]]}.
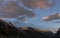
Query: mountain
{"points": [[8, 30]]}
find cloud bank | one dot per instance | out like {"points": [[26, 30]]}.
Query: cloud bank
{"points": [[12, 9], [42, 4]]}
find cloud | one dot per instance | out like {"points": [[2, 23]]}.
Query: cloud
{"points": [[38, 3], [51, 17], [12, 9], [57, 22], [54, 30], [1, 1]]}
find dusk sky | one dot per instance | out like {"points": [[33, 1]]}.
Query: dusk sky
{"points": [[30, 16]]}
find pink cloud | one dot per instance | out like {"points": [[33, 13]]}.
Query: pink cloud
{"points": [[51, 17]]}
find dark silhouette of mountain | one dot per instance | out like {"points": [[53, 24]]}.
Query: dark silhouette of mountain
{"points": [[58, 34], [8, 30]]}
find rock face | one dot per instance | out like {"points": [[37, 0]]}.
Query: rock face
{"points": [[8, 30]]}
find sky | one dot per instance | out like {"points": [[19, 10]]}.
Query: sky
{"points": [[31, 14]]}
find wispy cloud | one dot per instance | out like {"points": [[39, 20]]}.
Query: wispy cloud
{"points": [[57, 22]]}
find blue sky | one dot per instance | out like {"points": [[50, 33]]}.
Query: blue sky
{"points": [[37, 21]]}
